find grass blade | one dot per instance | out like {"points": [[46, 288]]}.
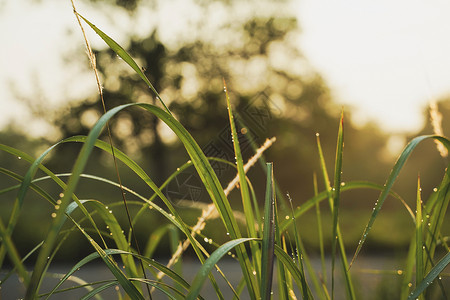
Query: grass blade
{"points": [[390, 182], [125, 57], [336, 197], [438, 268], [247, 204], [320, 233], [268, 242], [294, 271], [328, 193], [209, 264]]}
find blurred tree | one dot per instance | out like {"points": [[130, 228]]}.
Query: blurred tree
{"points": [[274, 89]]}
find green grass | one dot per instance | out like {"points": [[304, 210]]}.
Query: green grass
{"points": [[268, 245]]}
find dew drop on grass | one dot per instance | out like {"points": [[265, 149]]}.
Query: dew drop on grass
{"points": [[287, 217], [53, 215], [409, 284], [435, 190], [110, 211], [178, 169], [399, 272], [205, 239], [342, 183], [228, 233], [61, 195], [254, 272], [317, 134], [19, 157], [210, 241]]}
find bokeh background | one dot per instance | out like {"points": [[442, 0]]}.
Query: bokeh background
{"points": [[291, 67]]}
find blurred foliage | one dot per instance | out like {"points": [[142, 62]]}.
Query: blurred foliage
{"points": [[275, 92]]}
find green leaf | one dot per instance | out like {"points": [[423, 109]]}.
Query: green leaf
{"points": [[126, 58], [438, 268], [209, 264], [268, 242], [248, 210], [390, 182], [336, 196]]}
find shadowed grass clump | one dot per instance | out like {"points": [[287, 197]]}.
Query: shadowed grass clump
{"points": [[269, 244]]}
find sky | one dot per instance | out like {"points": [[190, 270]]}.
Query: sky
{"points": [[386, 59], [383, 59]]}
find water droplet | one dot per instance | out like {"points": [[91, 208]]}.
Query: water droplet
{"points": [[228, 233], [56, 207], [435, 190], [254, 272], [110, 211], [59, 201], [399, 272], [287, 217], [342, 183], [178, 169], [205, 239], [317, 134], [53, 215], [210, 241], [19, 157], [409, 284], [61, 195]]}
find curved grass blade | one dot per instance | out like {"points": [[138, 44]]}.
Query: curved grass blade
{"points": [[117, 233], [351, 185], [268, 242], [164, 288], [99, 289], [294, 271], [438, 268], [126, 58], [390, 182], [303, 257], [436, 220], [59, 218], [209, 264]]}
